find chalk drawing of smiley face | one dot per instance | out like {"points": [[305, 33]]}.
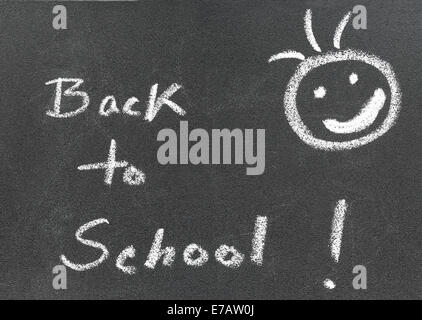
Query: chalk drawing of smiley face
{"points": [[358, 125]]}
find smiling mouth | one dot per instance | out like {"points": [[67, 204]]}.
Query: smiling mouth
{"points": [[363, 119]]}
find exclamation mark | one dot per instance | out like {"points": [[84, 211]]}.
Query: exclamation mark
{"points": [[336, 235]]}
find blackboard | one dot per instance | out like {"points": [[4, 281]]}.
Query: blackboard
{"points": [[218, 51]]}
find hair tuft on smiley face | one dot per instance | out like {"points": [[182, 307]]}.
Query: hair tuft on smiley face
{"points": [[354, 132]]}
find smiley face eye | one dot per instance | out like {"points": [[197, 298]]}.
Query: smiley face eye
{"points": [[353, 78], [320, 92]]}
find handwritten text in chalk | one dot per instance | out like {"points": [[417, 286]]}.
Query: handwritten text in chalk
{"points": [[193, 255], [131, 175], [108, 105]]}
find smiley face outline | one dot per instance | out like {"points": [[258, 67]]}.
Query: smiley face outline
{"points": [[313, 62], [368, 113]]}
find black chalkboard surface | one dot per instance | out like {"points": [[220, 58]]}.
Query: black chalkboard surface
{"points": [[218, 52]]}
